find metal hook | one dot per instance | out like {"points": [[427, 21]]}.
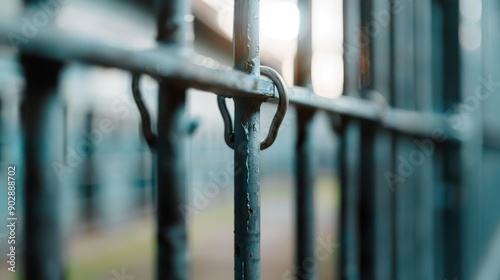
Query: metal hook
{"points": [[276, 78], [149, 136], [228, 123]]}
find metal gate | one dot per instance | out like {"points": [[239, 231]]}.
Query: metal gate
{"points": [[418, 154]]}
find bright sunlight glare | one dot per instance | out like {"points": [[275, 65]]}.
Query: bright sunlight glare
{"points": [[280, 20]]}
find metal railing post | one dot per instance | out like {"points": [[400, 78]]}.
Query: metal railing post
{"points": [[42, 117], [426, 182], [376, 192], [304, 185], [404, 97], [246, 146], [349, 152], [173, 23]]}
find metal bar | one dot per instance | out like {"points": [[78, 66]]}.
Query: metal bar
{"points": [[42, 116], [304, 184], [471, 151], [404, 97], [451, 233], [171, 155], [438, 190], [366, 207], [168, 65], [383, 193], [424, 198], [349, 150], [376, 194], [90, 186], [246, 145], [164, 63]]}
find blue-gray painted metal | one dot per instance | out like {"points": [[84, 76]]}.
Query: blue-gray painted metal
{"points": [[349, 151], [304, 169], [247, 195], [42, 118], [171, 151]]}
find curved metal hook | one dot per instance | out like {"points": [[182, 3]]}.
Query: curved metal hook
{"points": [[149, 136], [276, 78], [228, 123]]}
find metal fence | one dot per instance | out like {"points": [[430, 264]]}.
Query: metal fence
{"points": [[412, 203]]}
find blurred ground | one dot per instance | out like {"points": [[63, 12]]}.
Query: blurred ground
{"points": [[127, 249]]}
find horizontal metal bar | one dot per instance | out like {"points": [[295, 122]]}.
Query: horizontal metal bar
{"points": [[162, 62], [405, 121], [173, 64]]}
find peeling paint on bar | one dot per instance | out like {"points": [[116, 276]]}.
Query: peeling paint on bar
{"points": [[247, 145]]}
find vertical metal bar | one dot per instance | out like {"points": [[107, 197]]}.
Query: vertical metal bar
{"points": [[42, 115], [173, 30], [376, 192], [437, 105], [349, 149], [487, 221], [471, 150], [349, 178], [367, 203], [42, 118], [246, 146], [424, 199], [404, 97], [451, 233], [367, 158], [89, 184], [304, 197]]}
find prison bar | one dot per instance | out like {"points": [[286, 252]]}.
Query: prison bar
{"points": [[42, 119], [246, 145], [166, 63], [171, 150], [403, 83], [375, 197], [424, 195], [304, 169], [349, 169], [370, 129]]}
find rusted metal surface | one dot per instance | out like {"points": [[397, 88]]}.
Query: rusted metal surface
{"points": [[247, 194], [283, 101]]}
